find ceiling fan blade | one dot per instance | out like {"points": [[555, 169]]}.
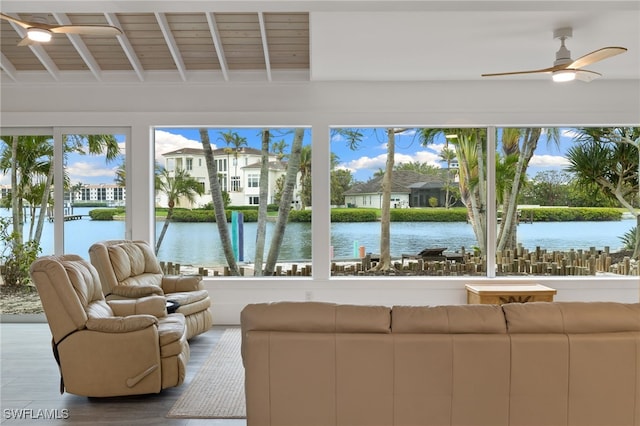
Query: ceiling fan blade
{"points": [[586, 75], [98, 30], [543, 70], [26, 42], [23, 24], [27, 24], [596, 56]]}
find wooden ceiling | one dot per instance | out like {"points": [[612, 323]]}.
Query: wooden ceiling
{"points": [[219, 43]]}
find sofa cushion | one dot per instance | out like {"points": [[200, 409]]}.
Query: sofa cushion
{"points": [[455, 319], [316, 317], [572, 317]]}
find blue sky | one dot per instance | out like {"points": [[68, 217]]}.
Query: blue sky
{"points": [[363, 163]]}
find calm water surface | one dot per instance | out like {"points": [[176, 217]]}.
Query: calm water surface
{"points": [[199, 244]]}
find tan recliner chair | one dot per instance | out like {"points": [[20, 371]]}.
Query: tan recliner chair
{"points": [[108, 348], [130, 269]]}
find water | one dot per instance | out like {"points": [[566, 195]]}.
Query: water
{"points": [[199, 244]]}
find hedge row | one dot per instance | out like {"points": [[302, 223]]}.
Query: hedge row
{"points": [[564, 214], [457, 214], [209, 215]]}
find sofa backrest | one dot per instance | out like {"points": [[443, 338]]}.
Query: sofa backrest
{"points": [[572, 317], [458, 319], [125, 262]]}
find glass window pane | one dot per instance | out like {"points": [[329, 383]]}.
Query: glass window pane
{"points": [[25, 186], [567, 199], [424, 213], [187, 233], [94, 190]]}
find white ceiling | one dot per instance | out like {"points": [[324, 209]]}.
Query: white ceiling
{"points": [[365, 40]]}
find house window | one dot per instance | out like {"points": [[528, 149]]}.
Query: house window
{"points": [[253, 181], [254, 201], [189, 164], [235, 183]]}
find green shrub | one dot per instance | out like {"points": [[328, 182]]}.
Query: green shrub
{"points": [[197, 215], [104, 214], [457, 214], [300, 216], [570, 214], [354, 215], [183, 215]]}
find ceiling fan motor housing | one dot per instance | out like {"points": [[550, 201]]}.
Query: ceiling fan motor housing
{"points": [[563, 55]]}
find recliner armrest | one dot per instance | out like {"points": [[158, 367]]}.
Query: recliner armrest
{"points": [[149, 305], [135, 291], [178, 283], [121, 324]]}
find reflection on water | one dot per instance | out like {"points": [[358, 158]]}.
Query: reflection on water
{"points": [[199, 243]]}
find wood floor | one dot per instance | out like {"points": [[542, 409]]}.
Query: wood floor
{"points": [[30, 381]]}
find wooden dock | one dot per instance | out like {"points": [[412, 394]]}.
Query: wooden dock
{"points": [[68, 217]]}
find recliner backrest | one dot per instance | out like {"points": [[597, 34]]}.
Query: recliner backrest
{"points": [[70, 291], [125, 262]]}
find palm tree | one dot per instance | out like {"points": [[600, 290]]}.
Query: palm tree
{"points": [[29, 159], [234, 142], [261, 231], [177, 187], [285, 202], [610, 157], [218, 203], [385, 214], [279, 148], [518, 146], [448, 155], [305, 176]]}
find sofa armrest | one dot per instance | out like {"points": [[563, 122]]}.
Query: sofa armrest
{"points": [[135, 291], [121, 324], [149, 305], [178, 283]]}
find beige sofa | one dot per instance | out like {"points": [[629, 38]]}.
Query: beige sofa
{"points": [[130, 269], [310, 363], [126, 347]]}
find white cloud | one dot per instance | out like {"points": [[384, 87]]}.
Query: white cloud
{"points": [[548, 161], [379, 162], [85, 172], [167, 142]]}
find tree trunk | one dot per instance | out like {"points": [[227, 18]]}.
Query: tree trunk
{"points": [[218, 204], [285, 202], [165, 226], [261, 231], [16, 194], [385, 212], [44, 203]]}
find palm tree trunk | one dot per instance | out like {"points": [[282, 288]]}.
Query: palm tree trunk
{"points": [[262, 208], [218, 204], [385, 212], [285, 202], [507, 236], [165, 226], [44, 203], [16, 208]]}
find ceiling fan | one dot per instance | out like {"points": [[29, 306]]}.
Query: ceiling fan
{"points": [[566, 69], [38, 30]]}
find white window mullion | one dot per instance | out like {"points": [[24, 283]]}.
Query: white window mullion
{"points": [[492, 216]]}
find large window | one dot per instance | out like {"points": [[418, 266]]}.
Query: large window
{"points": [[257, 239], [66, 188], [562, 201]]}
